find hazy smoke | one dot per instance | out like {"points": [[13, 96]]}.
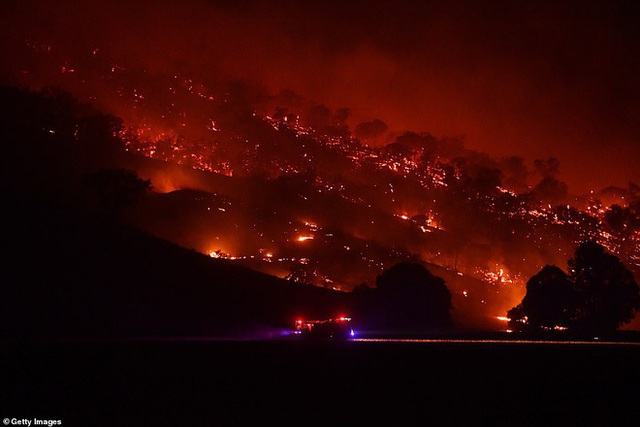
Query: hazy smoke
{"points": [[529, 80]]}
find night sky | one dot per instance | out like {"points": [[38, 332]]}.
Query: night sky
{"points": [[532, 79]]}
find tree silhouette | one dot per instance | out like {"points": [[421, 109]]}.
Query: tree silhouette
{"points": [[622, 220], [547, 303], [116, 189], [551, 190], [598, 296], [607, 293], [370, 130], [407, 298]]}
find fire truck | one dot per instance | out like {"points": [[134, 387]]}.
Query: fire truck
{"points": [[338, 328]]}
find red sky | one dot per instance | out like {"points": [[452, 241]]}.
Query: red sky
{"points": [[533, 79]]}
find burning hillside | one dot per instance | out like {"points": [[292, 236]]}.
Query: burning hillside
{"points": [[290, 188]]}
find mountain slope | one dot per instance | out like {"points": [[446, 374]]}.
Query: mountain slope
{"points": [[66, 275]]}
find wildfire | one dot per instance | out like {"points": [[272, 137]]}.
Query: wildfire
{"points": [[177, 133], [501, 276], [312, 225]]}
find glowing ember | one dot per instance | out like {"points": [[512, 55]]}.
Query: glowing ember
{"points": [[377, 204]]}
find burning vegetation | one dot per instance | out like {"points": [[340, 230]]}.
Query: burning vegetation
{"points": [[286, 187]]}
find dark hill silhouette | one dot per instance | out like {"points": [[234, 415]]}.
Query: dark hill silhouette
{"points": [[67, 275], [53, 143]]}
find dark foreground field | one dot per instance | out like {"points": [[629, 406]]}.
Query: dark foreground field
{"points": [[149, 383]]}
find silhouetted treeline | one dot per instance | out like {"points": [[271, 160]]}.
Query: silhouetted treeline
{"points": [[597, 296], [51, 141]]}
